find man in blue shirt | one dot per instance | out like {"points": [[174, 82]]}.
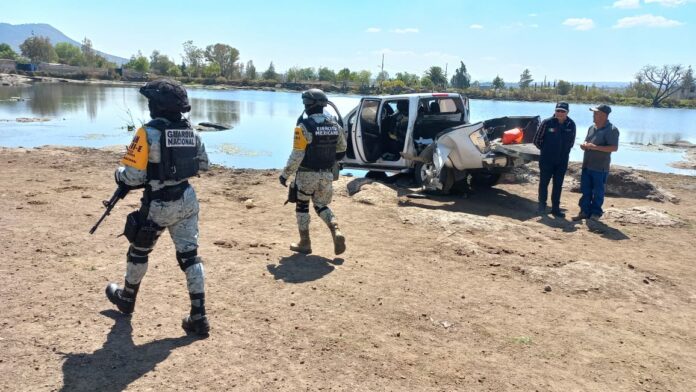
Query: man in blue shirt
{"points": [[602, 139], [554, 138]]}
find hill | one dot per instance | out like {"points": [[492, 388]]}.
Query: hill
{"points": [[14, 35]]}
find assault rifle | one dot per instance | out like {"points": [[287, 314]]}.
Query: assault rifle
{"points": [[120, 193]]}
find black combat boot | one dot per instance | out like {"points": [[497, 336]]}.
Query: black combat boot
{"points": [[197, 322], [200, 327], [124, 298], [304, 246]]}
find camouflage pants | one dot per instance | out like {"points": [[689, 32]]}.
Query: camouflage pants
{"points": [[317, 187], [180, 218]]}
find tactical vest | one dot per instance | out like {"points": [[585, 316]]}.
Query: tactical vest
{"points": [[178, 151], [320, 154]]}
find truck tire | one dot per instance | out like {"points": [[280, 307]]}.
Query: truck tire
{"points": [[419, 173]]}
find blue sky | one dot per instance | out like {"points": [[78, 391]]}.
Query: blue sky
{"points": [[571, 40]]}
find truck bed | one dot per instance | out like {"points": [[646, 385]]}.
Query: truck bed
{"points": [[526, 151]]}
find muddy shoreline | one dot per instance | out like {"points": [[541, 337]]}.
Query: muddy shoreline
{"points": [[438, 293]]}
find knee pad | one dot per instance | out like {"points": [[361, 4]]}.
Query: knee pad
{"points": [[187, 259], [320, 209], [137, 256], [302, 206]]}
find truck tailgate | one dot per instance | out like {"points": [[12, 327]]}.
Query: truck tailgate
{"points": [[526, 151]]}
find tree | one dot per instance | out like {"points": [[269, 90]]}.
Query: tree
{"points": [[426, 83], [382, 77], [250, 70], [363, 77], [437, 76], [38, 48], [211, 70], [498, 83], [193, 57], [292, 75], [343, 77], [326, 75], [270, 73], [525, 79], [7, 53], [138, 62], [640, 88], [69, 54], [688, 83], [88, 53], [225, 57], [161, 64], [409, 79], [307, 74], [563, 87], [461, 79], [666, 79]]}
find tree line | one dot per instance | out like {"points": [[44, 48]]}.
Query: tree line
{"points": [[653, 85]]}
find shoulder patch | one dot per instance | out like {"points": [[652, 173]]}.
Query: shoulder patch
{"points": [[300, 141], [138, 150]]}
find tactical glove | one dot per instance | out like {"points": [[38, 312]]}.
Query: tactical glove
{"points": [[283, 180]]}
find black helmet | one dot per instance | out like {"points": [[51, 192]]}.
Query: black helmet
{"points": [[166, 95], [313, 97]]}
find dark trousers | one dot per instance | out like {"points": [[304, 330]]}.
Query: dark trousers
{"points": [[548, 171], [592, 184]]}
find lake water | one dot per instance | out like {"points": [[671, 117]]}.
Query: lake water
{"points": [[262, 122]]}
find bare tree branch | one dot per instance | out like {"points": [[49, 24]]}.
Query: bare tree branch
{"points": [[667, 80]]}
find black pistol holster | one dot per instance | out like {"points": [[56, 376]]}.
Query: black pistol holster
{"points": [[140, 231], [292, 193]]}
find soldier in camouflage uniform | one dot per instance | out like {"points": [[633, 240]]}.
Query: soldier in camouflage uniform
{"points": [[164, 153], [319, 142]]}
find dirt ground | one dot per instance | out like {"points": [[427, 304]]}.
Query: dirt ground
{"points": [[436, 294]]}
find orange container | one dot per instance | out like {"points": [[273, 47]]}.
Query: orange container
{"points": [[513, 136]]}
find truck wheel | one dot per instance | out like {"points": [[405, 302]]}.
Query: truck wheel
{"points": [[420, 173], [447, 180], [485, 180]]}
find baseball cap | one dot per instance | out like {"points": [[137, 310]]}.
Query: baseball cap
{"points": [[562, 106], [602, 108]]}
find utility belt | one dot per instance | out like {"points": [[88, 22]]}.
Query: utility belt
{"points": [[168, 193]]}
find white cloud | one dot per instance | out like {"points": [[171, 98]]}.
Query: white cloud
{"points": [[533, 15], [373, 30], [647, 20], [534, 26], [581, 24], [667, 3], [627, 4], [476, 26], [406, 30]]}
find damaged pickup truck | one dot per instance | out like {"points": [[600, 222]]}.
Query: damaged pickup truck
{"points": [[430, 136]]}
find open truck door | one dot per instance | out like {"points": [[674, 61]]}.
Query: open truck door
{"points": [[367, 132]]}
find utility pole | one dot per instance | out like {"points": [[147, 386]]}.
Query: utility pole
{"points": [[445, 76], [381, 74]]}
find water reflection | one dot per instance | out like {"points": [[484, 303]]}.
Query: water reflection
{"points": [[215, 110], [646, 138], [263, 122]]}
